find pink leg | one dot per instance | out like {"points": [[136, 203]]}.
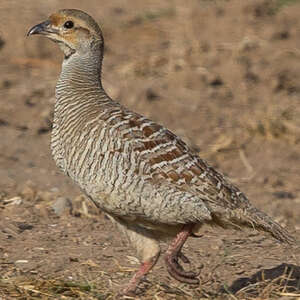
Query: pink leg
{"points": [[147, 247], [174, 253], [136, 279]]}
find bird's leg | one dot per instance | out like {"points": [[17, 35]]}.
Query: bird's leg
{"points": [[147, 249], [174, 253], [145, 267]]}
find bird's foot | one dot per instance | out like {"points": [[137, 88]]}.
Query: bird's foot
{"points": [[174, 253], [177, 271], [182, 257], [130, 289]]}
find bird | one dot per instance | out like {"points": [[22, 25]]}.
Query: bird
{"points": [[145, 178]]}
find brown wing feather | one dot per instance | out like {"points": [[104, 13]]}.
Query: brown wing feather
{"points": [[169, 158], [175, 162]]}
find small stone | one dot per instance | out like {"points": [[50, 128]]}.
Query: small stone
{"points": [[151, 95], [61, 204], [284, 195], [24, 226], [217, 81], [3, 122], [2, 43], [28, 193], [73, 259], [21, 261]]}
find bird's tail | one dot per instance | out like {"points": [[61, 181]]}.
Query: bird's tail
{"points": [[258, 220], [253, 218]]}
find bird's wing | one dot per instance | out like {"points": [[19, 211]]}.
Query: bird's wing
{"points": [[194, 190], [166, 158]]}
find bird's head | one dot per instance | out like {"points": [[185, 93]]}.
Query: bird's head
{"points": [[74, 31]]}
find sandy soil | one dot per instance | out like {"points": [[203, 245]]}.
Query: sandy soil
{"points": [[224, 75]]}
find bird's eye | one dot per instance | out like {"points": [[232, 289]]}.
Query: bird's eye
{"points": [[69, 25]]}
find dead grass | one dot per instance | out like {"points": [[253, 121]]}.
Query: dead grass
{"points": [[260, 287], [26, 288], [275, 126], [58, 289]]}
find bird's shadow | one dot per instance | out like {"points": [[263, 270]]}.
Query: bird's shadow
{"points": [[284, 277]]}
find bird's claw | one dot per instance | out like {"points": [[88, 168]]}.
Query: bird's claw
{"points": [[177, 271], [183, 258]]}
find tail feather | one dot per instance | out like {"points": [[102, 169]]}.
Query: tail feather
{"points": [[261, 221], [255, 219]]}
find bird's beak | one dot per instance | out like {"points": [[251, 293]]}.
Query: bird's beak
{"points": [[42, 28]]}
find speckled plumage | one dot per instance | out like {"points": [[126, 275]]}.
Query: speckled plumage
{"points": [[143, 176]]}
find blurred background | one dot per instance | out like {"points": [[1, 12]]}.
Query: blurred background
{"points": [[223, 75]]}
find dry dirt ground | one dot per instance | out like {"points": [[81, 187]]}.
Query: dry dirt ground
{"points": [[224, 75]]}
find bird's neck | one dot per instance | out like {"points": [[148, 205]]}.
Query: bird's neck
{"points": [[80, 75]]}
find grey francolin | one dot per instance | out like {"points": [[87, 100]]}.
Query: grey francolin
{"points": [[144, 177]]}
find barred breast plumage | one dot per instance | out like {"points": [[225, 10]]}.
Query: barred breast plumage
{"points": [[143, 176]]}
